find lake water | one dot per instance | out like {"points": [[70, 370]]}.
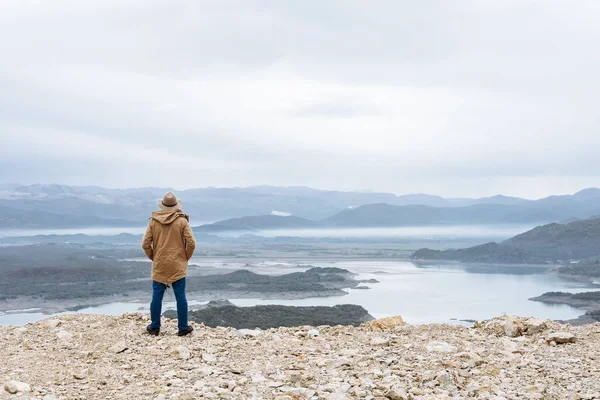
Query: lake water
{"points": [[440, 292]]}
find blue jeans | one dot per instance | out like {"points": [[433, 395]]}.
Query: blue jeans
{"points": [[158, 291]]}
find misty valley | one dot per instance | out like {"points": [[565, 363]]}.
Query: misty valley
{"points": [[437, 272]]}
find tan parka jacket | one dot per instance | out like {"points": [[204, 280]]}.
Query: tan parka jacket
{"points": [[169, 243]]}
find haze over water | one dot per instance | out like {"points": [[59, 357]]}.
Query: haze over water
{"points": [[454, 231]]}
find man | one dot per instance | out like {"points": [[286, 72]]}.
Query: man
{"points": [[169, 243]]}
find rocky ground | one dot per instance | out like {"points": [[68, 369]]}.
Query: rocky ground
{"points": [[102, 357]]}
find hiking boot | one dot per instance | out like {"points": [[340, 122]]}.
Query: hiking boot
{"points": [[152, 331], [185, 331]]}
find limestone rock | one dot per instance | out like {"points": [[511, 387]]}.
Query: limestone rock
{"points": [[385, 323], [535, 325], [513, 327], [300, 393], [437, 346], [181, 352], [247, 333], [14, 387], [380, 341], [64, 335], [295, 377], [397, 393], [561, 338], [208, 357], [258, 378], [445, 379], [118, 347], [50, 323]]}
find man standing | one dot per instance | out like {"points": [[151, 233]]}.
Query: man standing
{"points": [[169, 243]]}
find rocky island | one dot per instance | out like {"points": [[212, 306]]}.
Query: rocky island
{"points": [[99, 357], [70, 277], [224, 313], [587, 300]]}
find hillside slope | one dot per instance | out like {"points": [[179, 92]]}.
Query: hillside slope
{"points": [[13, 218], [548, 243], [98, 357], [382, 215], [258, 222]]}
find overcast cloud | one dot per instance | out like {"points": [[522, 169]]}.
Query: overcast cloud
{"points": [[457, 98]]}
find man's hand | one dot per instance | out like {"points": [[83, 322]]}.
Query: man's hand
{"points": [[147, 242], [190, 242]]}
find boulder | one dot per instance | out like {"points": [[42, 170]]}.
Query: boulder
{"points": [[513, 327], [385, 323], [561, 338], [535, 325], [14, 387]]}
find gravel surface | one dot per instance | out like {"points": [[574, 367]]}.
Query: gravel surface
{"points": [[100, 357]]}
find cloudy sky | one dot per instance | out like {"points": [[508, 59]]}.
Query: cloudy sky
{"points": [[457, 98]]}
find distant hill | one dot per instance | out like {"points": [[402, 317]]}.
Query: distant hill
{"points": [[506, 200], [485, 253], [11, 218], [376, 215], [387, 215], [256, 223], [578, 240], [497, 199], [80, 206]]}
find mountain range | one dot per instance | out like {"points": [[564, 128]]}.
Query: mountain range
{"points": [[61, 206]]}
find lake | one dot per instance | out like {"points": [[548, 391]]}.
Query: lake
{"points": [[434, 293]]}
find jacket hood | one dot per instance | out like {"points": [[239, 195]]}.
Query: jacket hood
{"points": [[166, 217]]}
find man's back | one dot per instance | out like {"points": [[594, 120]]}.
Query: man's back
{"points": [[169, 243]]}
